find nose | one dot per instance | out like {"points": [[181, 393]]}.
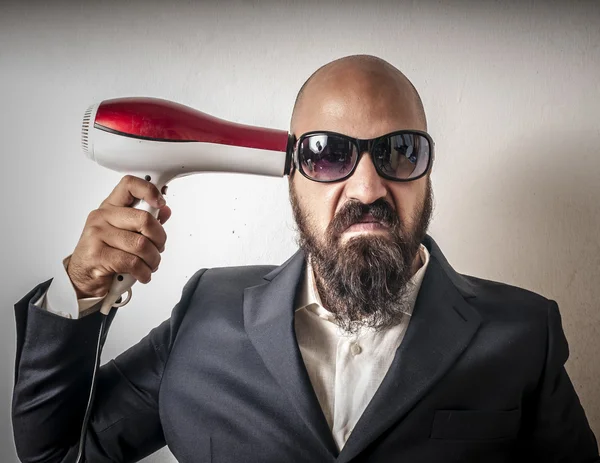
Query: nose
{"points": [[365, 184]]}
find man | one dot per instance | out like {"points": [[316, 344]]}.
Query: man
{"points": [[365, 346]]}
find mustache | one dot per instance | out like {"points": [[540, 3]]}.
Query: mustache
{"points": [[353, 211]]}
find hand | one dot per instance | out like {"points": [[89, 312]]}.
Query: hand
{"points": [[117, 238]]}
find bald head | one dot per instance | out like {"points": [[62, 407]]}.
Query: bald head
{"points": [[362, 89]]}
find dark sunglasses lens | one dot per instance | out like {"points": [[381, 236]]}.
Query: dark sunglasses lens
{"points": [[404, 156], [326, 157]]}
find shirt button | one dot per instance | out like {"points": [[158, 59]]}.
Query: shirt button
{"points": [[355, 348]]}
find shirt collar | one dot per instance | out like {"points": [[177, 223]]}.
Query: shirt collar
{"points": [[309, 299]]}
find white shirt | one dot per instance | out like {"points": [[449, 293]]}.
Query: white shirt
{"points": [[345, 371]]}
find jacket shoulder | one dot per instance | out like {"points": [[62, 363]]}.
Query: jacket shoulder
{"points": [[219, 291], [233, 279], [242, 273], [495, 297]]}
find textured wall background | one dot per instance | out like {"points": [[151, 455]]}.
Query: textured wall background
{"points": [[511, 90]]}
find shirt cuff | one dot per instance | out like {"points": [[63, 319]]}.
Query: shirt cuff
{"points": [[61, 298]]}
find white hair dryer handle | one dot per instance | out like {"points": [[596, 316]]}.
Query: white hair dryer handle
{"points": [[122, 282]]}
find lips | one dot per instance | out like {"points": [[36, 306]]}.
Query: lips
{"points": [[366, 223], [367, 218]]}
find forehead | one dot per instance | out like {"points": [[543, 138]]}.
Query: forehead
{"points": [[358, 107]]}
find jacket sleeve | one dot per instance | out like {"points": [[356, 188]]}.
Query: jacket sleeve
{"points": [[53, 373], [560, 429]]}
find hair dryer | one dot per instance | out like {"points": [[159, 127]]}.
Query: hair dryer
{"points": [[160, 140]]}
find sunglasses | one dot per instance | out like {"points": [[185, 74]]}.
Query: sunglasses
{"points": [[327, 157]]}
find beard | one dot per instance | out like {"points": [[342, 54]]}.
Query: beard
{"points": [[365, 281]]}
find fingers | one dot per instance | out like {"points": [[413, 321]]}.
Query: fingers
{"points": [[131, 188], [133, 243], [164, 214], [131, 220], [123, 262]]}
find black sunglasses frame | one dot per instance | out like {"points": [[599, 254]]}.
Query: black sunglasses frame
{"points": [[363, 145]]}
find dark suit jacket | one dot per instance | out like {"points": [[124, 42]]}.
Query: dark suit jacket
{"points": [[479, 377]]}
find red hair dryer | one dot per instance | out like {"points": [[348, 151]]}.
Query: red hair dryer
{"points": [[160, 140]]}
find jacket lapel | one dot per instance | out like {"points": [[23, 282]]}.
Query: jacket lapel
{"points": [[441, 327], [269, 323]]}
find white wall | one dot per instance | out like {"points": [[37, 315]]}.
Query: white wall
{"points": [[512, 92]]}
